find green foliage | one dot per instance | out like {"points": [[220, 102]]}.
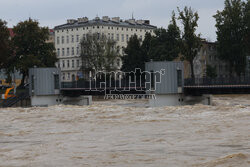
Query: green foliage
{"points": [[247, 23], [231, 24], [211, 71], [98, 53], [5, 45], [163, 46], [133, 57], [31, 47], [191, 42]]}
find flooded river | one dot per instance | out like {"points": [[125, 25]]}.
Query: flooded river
{"points": [[128, 133]]}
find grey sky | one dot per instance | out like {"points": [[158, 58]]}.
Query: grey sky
{"points": [[55, 12]]}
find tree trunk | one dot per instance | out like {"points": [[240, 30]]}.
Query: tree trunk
{"points": [[192, 70], [22, 81]]}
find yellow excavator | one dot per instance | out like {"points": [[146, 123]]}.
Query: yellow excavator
{"points": [[10, 92]]}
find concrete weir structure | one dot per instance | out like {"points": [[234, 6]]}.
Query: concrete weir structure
{"points": [[168, 85], [44, 89]]}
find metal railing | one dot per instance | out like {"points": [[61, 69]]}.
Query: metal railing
{"points": [[217, 81], [101, 84]]}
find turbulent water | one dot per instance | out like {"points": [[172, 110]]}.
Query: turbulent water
{"points": [[128, 133]]}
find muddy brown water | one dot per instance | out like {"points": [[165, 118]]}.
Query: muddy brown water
{"points": [[128, 133]]}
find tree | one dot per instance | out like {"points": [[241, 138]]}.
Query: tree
{"points": [[191, 42], [5, 45], [133, 57], [247, 23], [98, 53], [231, 35], [31, 48], [211, 71]]}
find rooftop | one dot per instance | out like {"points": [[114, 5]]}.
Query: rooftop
{"points": [[106, 21]]}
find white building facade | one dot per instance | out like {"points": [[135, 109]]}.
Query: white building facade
{"points": [[69, 35]]}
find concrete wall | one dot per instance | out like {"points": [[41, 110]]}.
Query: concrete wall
{"points": [[80, 101], [180, 99], [167, 100], [48, 100]]}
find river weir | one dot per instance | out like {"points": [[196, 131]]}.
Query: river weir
{"points": [[128, 133]]}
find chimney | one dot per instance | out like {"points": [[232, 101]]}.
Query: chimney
{"points": [[116, 19], [83, 20], [147, 22], [71, 21], [130, 21], [105, 18]]}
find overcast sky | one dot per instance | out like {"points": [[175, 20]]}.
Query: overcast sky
{"points": [[55, 12]]}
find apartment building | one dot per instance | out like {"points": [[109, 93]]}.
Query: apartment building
{"points": [[69, 35], [207, 55]]}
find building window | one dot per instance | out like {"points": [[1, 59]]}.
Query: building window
{"points": [[98, 35], [67, 39], [73, 51], [117, 37], [140, 37], [67, 51], [68, 76], [83, 37], [32, 82], [56, 81], [152, 77], [77, 38], [58, 52], [58, 40], [73, 63], [77, 63], [112, 36], [63, 63], [58, 64], [62, 51], [72, 38], [108, 35], [118, 62], [77, 50], [68, 65], [122, 37], [127, 37], [62, 39], [63, 76], [179, 78]]}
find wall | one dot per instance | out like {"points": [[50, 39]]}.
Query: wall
{"points": [[168, 83], [43, 81]]}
